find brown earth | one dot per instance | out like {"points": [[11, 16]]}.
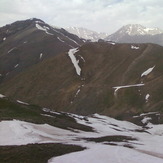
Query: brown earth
{"points": [[54, 83]]}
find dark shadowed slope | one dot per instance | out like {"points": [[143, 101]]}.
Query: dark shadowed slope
{"points": [[26, 43]]}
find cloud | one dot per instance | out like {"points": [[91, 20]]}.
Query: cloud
{"points": [[99, 15]]}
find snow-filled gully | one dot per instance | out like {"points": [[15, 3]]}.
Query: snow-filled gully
{"points": [[75, 62]]}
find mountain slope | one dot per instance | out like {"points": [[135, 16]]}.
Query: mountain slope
{"points": [[86, 33], [135, 33], [52, 134], [114, 79], [28, 42]]}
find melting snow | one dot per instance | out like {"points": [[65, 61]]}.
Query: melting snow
{"points": [[16, 65], [11, 50], [106, 154], [60, 39], [67, 37], [47, 115], [4, 38], [47, 28], [147, 148], [147, 97], [147, 71], [41, 55], [39, 22], [146, 120], [149, 113], [43, 29], [77, 92], [21, 102], [82, 58], [2, 96], [126, 86], [74, 60], [50, 111], [134, 47]]}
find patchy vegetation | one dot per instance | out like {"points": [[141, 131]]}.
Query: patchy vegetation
{"points": [[33, 153]]}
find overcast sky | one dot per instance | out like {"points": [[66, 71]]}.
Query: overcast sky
{"points": [[99, 15]]}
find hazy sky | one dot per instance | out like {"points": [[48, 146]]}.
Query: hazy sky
{"points": [[99, 15]]}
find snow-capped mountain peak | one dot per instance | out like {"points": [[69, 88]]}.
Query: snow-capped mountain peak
{"points": [[136, 33], [86, 33], [137, 29]]}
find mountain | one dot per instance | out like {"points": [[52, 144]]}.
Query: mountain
{"points": [[86, 33], [135, 33], [113, 79], [59, 94], [26, 43]]}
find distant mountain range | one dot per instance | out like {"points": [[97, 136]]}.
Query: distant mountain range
{"points": [[131, 33], [135, 33], [86, 33]]}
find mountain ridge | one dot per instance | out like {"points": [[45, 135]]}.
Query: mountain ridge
{"points": [[86, 33], [136, 33]]}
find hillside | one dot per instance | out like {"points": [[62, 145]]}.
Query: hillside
{"points": [[28, 42], [93, 85], [33, 134]]}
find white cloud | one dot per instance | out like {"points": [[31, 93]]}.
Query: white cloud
{"points": [[99, 15]]}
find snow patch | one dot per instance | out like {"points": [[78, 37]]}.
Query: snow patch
{"points": [[11, 50], [82, 58], [66, 37], [2, 96], [77, 92], [16, 65], [149, 113], [60, 39], [145, 120], [147, 97], [145, 73], [43, 29], [41, 55], [134, 47], [74, 60], [126, 86], [21, 102], [50, 111], [47, 115], [4, 38]]}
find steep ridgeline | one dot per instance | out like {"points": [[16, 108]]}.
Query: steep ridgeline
{"points": [[25, 43], [86, 33], [135, 33], [108, 78]]}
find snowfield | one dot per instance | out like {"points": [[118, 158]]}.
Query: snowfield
{"points": [[145, 143]]}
